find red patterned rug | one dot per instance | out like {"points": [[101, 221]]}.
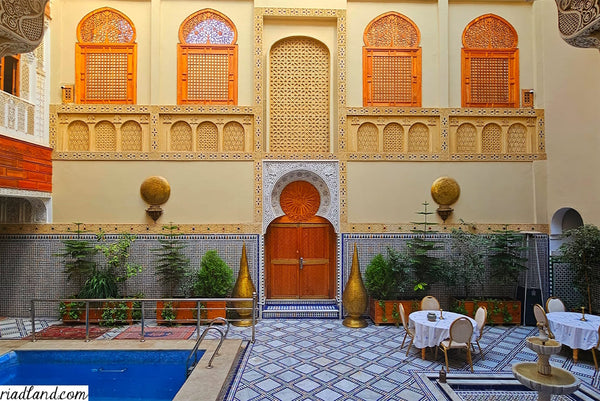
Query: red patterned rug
{"points": [[159, 333], [69, 332]]}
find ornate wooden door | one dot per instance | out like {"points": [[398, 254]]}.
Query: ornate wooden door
{"points": [[300, 247], [299, 260]]}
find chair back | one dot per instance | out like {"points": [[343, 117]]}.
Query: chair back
{"points": [[554, 304], [480, 318], [540, 315], [402, 316], [430, 303], [461, 331]]}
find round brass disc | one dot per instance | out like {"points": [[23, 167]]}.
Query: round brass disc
{"points": [[155, 190], [445, 191]]}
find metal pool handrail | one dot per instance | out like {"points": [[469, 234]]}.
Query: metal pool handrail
{"points": [[143, 302], [188, 367]]}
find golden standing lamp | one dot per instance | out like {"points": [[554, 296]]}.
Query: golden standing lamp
{"points": [[445, 192], [155, 190]]}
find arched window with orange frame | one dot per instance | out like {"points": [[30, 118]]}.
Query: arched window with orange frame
{"points": [[490, 63], [207, 59], [392, 62], [105, 58]]}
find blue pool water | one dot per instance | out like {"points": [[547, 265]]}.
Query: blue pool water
{"points": [[110, 375]]}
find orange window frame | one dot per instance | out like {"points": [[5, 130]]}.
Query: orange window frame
{"points": [[83, 50], [512, 55], [14, 89], [183, 73], [369, 53]]}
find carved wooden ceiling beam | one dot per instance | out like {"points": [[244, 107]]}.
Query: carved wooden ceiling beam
{"points": [[579, 22], [21, 25]]}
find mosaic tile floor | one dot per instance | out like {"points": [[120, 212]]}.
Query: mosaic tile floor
{"points": [[323, 360]]}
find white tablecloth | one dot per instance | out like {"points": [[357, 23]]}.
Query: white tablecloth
{"points": [[570, 330], [430, 334]]}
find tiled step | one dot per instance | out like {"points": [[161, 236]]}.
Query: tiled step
{"points": [[294, 308]]}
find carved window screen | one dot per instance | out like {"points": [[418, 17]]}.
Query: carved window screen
{"points": [[207, 59], [392, 62], [490, 63], [105, 58], [9, 74]]}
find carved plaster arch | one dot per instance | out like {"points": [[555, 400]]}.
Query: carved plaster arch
{"points": [[323, 175]]}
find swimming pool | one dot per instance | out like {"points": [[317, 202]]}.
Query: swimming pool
{"points": [[111, 375]]}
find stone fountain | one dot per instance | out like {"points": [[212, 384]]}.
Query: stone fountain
{"points": [[541, 376]]}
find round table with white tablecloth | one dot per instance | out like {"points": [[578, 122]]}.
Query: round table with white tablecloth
{"points": [[432, 333], [569, 329]]}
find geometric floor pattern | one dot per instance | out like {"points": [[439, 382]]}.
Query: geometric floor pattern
{"points": [[312, 359]]}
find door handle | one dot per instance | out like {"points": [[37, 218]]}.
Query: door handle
{"points": [[301, 263]]}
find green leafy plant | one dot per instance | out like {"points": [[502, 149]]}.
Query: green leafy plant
{"points": [[114, 314], [101, 284], [466, 263], [78, 255], [172, 264], [71, 310], [117, 256], [168, 313], [215, 278], [505, 258], [427, 267], [581, 251]]}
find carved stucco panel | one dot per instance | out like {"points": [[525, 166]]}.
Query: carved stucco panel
{"points": [[324, 175]]}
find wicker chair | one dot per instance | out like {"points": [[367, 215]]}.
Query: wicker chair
{"points": [[461, 331], [542, 320], [554, 304], [430, 303], [480, 318], [407, 330]]}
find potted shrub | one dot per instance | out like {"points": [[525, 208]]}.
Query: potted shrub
{"points": [[172, 267], [213, 280], [506, 264], [427, 268], [79, 263], [582, 252], [386, 278]]}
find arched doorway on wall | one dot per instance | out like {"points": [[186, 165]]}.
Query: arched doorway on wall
{"points": [[563, 220], [300, 248]]}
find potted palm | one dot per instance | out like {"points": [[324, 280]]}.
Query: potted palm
{"points": [[386, 278], [172, 267], [213, 280]]}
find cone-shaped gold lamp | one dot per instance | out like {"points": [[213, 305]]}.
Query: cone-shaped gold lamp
{"points": [[354, 297], [243, 288]]}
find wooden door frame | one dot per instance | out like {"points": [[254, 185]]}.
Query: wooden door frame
{"points": [[332, 253]]}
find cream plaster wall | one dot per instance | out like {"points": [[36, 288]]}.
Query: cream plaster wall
{"points": [[109, 192], [571, 88], [157, 25], [68, 13], [393, 192], [423, 14]]}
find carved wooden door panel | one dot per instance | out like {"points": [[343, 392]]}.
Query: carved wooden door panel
{"points": [[298, 260]]}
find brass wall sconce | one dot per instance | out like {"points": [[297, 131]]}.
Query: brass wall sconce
{"points": [[445, 191], [155, 190]]}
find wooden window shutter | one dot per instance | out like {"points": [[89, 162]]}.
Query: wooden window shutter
{"points": [[207, 59], [106, 58], [392, 62], [490, 64]]}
